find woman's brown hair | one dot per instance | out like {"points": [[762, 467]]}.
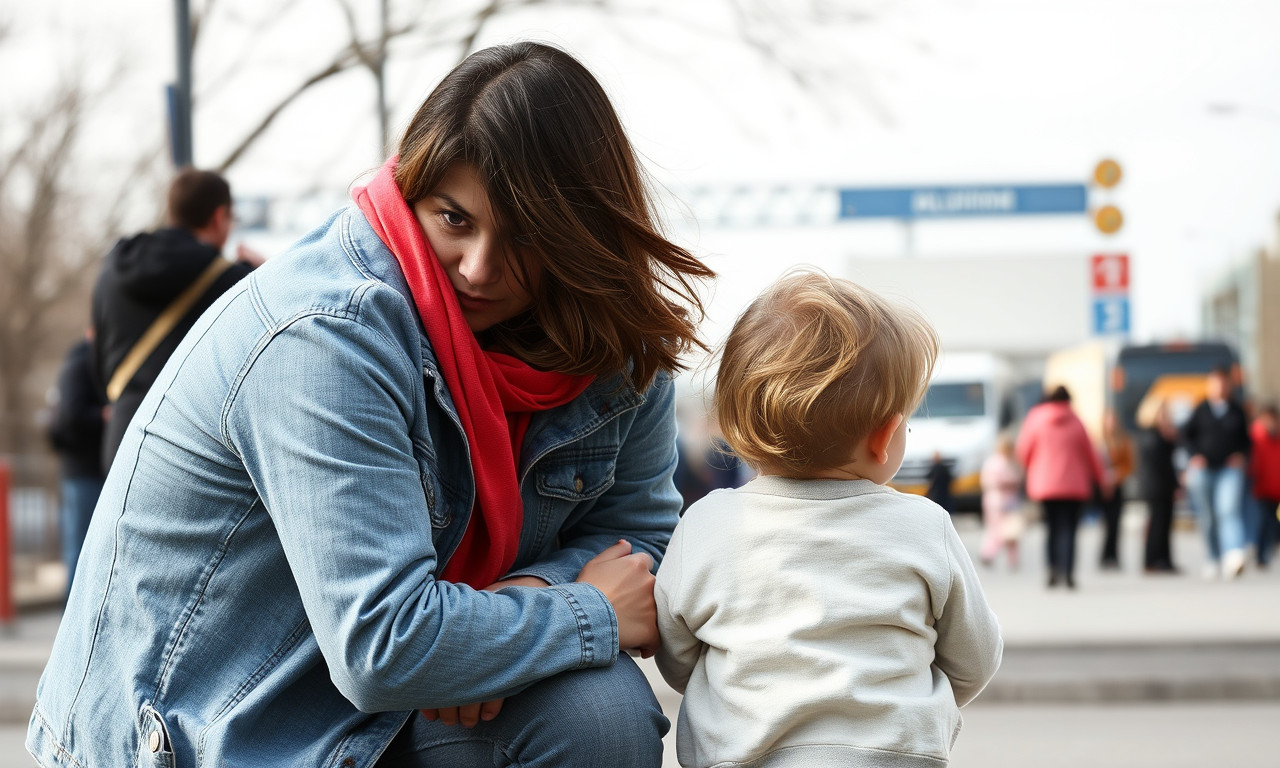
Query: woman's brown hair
{"points": [[567, 191]]}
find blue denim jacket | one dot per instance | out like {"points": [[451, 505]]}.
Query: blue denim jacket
{"points": [[258, 583]]}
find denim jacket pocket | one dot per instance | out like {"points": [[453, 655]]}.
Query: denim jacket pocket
{"points": [[577, 476], [154, 748]]}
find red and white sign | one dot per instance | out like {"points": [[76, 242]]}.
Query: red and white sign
{"points": [[1110, 273]]}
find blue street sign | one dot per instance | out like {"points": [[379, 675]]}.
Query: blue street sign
{"points": [[948, 202], [1111, 315]]}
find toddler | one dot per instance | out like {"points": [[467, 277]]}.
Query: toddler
{"points": [[1002, 521], [814, 616]]}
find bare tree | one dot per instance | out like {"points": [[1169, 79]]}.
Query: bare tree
{"points": [[53, 232], [779, 32]]}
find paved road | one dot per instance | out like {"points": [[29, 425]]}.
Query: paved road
{"points": [[1140, 736], [1173, 736], [1136, 638]]}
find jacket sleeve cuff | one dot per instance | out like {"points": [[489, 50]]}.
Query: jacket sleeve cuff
{"points": [[597, 623], [562, 567]]}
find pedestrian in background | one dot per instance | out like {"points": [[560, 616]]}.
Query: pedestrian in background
{"points": [[940, 479], [153, 286], [1002, 516], [75, 432], [1217, 437], [1063, 470], [1264, 470], [1118, 449], [1157, 440]]}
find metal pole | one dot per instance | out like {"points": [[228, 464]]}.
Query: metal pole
{"points": [[183, 142], [7, 610]]}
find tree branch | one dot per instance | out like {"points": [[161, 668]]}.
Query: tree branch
{"points": [[346, 60]]}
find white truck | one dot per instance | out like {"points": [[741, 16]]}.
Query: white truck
{"points": [[971, 399]]}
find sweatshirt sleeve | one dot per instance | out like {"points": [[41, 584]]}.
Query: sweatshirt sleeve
{"points": [[680, 648], [969, 646]]}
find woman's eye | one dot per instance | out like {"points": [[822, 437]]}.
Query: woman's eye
{"points": [[452, 219]]}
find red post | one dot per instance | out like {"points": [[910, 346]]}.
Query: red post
{"points": [[7, 613]]}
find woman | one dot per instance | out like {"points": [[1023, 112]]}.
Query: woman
{"points": [[1062, 470], [1158, 481], [421, 461], [1119, 453]]}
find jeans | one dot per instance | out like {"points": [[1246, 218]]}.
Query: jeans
{"points": [[1062, 517], [602, 716], [1112, 510], [79, 497], [1159, 553], [1218, 498]]}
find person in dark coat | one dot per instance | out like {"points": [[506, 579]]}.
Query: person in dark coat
{"points": [[1158, 482], [144, 274], [1217, 438], [940, 479], [75, 432]]}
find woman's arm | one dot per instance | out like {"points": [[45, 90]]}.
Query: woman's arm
{"points": [[321, 420]]}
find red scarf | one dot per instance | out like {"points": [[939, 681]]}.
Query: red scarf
{"points": [[495, 394]]}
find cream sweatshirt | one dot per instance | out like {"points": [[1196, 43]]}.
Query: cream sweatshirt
{"points": [[821, 622]]}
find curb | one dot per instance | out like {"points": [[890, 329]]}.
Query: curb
{"points": [[1115, 673]]}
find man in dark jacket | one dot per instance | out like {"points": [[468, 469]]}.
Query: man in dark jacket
{"points": [[148, 273], [1217, 438], [75, 431]]}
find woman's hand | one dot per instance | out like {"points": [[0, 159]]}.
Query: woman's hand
{"points": [[625, 580], [468, 714]]}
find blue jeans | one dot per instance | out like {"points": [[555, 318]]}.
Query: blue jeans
{"points": [[589, 717], [1218, 498], [79, 497]]}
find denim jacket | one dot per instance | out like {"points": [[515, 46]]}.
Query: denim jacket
{"points": [[258, 583]]}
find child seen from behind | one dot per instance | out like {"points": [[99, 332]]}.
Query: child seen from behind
{"points": [[814, 616]]}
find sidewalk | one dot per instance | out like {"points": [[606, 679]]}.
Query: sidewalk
{"points": [[1120, 637]]}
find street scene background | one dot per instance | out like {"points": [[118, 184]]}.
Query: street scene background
{"points": [[892, 143]]}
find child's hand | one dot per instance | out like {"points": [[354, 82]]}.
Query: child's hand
{"points": [[626, 581], [468, 714]]}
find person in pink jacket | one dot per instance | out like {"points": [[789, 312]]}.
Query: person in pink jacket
{"points": [[1062, 469], [1002, 521]]}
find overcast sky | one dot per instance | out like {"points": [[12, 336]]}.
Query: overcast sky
{"points": [[1185, 94]]}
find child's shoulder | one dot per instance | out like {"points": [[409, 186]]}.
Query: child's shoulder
{"points": [[718, 502], [912, 510]]}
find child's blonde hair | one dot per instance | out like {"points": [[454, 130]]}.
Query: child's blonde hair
{"points": [[813, 366]]}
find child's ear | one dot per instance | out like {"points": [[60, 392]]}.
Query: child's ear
{"points": [[879, 439]]}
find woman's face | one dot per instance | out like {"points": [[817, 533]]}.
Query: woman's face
{"points": [[481, 264]]}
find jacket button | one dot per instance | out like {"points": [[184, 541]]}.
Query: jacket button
{"points": [[154, 741], [577, 483], [350, 762]]}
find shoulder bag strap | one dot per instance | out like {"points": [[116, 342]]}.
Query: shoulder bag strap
{"points": [[161, 327]]}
